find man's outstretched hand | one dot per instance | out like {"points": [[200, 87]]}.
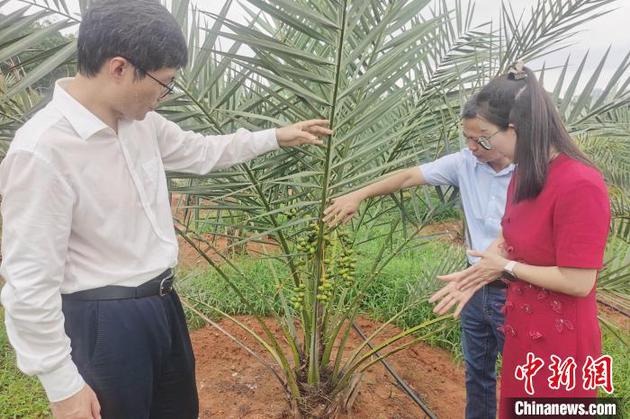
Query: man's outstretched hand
{"points": [[304, 132], [342, 209]]}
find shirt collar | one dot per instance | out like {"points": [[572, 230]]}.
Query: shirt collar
{"points": [[84, 122], [505, 171]]}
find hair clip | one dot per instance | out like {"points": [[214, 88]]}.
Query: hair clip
{"points": [[516, 71]]}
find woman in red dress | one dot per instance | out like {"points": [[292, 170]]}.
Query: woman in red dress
{"points": [[551, 247]]}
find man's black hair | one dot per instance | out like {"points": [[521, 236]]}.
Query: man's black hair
{"points": [[142, 31]]}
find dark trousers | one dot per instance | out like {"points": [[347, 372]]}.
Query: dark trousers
{"points": [[482, 340], [136, 355]]}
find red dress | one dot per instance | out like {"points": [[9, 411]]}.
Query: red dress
{"points": [[565, 225]]}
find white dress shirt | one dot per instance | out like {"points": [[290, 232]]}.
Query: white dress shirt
{"points": [[84, 207]]}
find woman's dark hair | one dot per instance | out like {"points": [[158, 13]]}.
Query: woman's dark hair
{"points": [[141, 30], [521, 101]]}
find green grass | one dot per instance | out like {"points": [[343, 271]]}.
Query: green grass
{"points": [[621, 367], [20, 396], [407, 279]]}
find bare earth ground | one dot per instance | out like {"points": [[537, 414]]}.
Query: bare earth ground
{"points": [[232, 384]]}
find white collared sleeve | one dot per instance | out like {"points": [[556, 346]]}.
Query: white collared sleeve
{"points": [[36, 221], [186, 151]]}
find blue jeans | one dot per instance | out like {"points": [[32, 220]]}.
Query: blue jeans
{"points": [[481, 342]]}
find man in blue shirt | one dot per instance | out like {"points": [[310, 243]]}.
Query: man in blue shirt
{"points": [[482, 175]]}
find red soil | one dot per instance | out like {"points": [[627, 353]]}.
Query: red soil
{"points": [[232, 384]]}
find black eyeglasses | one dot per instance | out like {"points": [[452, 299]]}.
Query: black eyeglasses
{"points": [[167, 89], [484, 141]]}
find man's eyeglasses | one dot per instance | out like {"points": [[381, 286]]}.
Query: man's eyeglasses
{"points": [[167, 89], [483, 141]]}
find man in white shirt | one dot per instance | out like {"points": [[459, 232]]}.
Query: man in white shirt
{"points": [[88, 241], [482, 175]]}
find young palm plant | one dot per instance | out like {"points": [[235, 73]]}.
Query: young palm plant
{"points": [[348, 63]]}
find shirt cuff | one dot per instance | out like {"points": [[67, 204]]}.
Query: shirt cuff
{"points": [[266, 141], [63, 382]]}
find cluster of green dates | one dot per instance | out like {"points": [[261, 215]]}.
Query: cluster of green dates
{"points": [[337, 270], [308, 244], [298, 297], [291, 214]]}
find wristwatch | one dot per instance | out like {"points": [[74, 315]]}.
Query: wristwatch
{"points": [[509, 270]]}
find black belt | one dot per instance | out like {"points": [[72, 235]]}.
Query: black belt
{"points": [[497, 283], [160, 285]]}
